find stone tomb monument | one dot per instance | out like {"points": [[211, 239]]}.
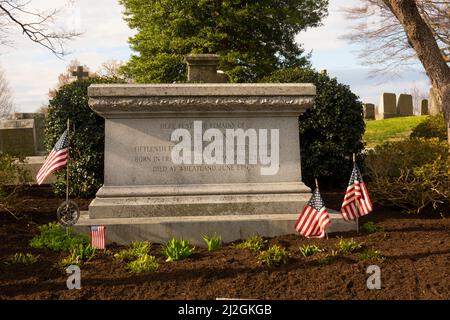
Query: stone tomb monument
{"points": [[405, 105], [17, 137], [424, 111], [369, 111], [387, 107], [154, 191]]}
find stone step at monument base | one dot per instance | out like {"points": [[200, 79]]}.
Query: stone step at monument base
{"points": [[199, 200], [230, 228]]}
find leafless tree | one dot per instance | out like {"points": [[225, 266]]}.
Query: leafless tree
{"points": [[385, 45], [38, 26], [110, 68], [419, 25], [417, 97], [6, 97]]}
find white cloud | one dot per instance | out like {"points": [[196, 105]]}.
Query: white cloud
{"points": [[32, 70]]}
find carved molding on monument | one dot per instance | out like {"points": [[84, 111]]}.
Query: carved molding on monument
{"points": [[280, 105]]}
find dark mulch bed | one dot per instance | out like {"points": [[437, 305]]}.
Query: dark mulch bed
{"points": [[417, 264]]}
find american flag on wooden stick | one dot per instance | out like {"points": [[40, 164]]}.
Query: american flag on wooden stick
{"points": [[314, 218], [98, 237], [356, 201], [57, 158]]}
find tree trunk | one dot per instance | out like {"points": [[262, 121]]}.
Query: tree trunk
{"points": [[421, 39]]}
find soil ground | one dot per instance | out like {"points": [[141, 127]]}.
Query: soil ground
{"points": [[417, 264]]}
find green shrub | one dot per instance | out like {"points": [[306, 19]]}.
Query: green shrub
{"points": [[331, 131], [54, 237], [309, 250], [177, 250], [144, 264], [13, 179], [21, 258], [255, 243], [78, 255], [372, 255], [371, 227], [409, 174], [86, 144], [274, 256], [213, 242], [137, 250], [432, 127], [347, 246]]}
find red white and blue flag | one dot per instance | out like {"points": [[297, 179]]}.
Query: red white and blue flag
{"points": [[356, 201], [314, 218], [98, 237], [57, 158]]}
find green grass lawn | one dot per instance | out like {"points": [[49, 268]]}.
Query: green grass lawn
{"points": [[394, 129]]}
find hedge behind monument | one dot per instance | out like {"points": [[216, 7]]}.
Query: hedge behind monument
{"points": [[331, 131], [86, 142]]}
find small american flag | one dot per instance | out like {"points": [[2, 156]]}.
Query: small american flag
{"points": [[57, 159], [356, 201], [314, 218], [98, 237]]}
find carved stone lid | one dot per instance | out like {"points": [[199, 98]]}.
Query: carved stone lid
{"points": [[201, 100], [202, 89]]}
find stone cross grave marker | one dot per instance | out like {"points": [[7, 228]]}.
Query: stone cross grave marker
{"points": [[80, 73]]}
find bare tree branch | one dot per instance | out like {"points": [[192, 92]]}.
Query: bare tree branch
{"points": [[385, 44], [6, 98], [36, 25]]}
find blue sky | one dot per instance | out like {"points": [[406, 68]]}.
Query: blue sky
{"points": [[32, 70]]}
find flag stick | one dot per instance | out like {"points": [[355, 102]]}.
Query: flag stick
{"points": [[356, 201], [317, 187], [67, 166]]}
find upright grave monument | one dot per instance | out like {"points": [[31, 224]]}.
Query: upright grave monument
{"points": [[369, 111], [182, 160], [22, 134], [424, 110], [405, 106], [387, 107]]}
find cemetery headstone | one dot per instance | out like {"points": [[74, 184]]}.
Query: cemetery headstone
{"points": [[369, 111], [17, 137], [200, 158], [80, 73], [405, 105], [387, 107], [39, 128], [424, 107]]}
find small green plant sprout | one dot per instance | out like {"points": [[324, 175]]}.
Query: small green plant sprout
{"points": [[372, 255], [255, 243], [54, 237], [78, 255], [309, 250], [213, 242], [347, 246], [21, 258], [371, 227], [274, 256], [175, 250], [325, 259], [137, 250], [144, 264]]}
